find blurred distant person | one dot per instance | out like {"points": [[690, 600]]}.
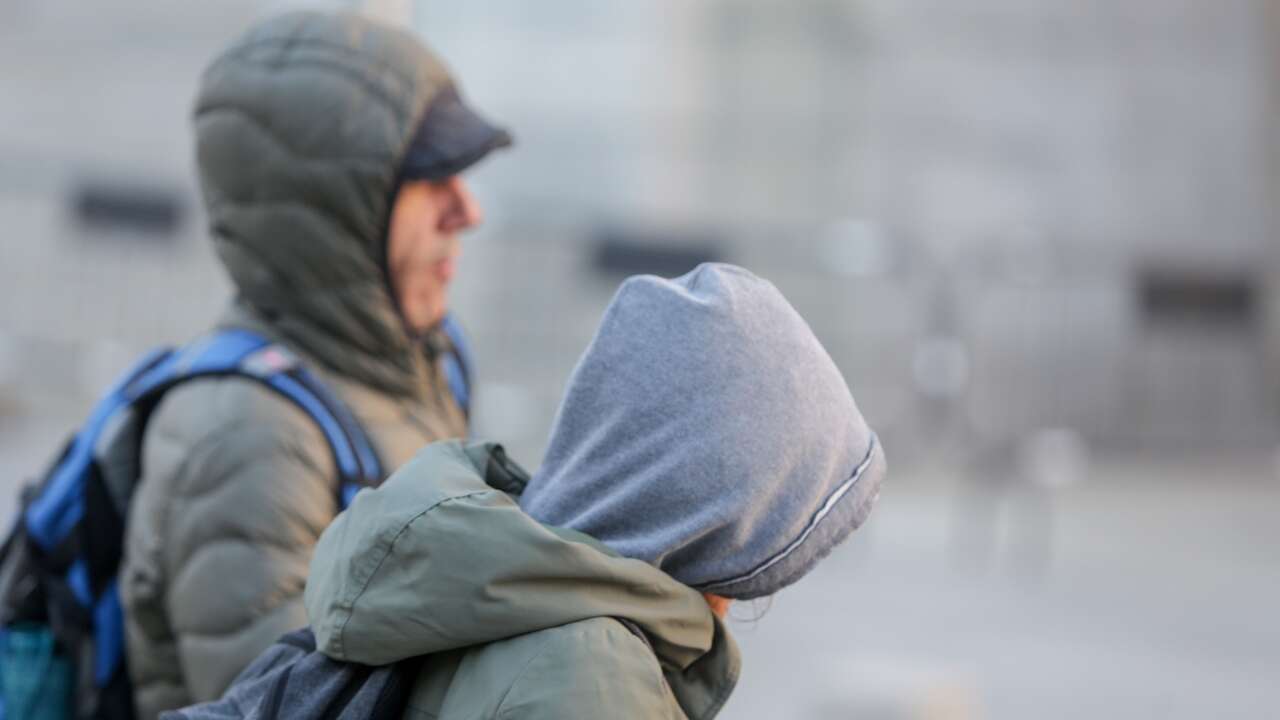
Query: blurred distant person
{"points": [[707, 450], [329, 149]]}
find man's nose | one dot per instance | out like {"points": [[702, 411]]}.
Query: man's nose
{"points": [[464, 212]]}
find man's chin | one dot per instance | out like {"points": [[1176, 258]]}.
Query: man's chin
{"points": [[424, 321], [431, 319]]}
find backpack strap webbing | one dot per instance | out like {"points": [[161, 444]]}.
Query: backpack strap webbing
{"points": [[52, 517], [457, 363]]}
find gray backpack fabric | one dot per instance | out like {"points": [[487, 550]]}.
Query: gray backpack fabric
{"points": [[291, 680]]}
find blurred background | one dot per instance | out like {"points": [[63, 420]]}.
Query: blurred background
{"points": [[1038, 238]]}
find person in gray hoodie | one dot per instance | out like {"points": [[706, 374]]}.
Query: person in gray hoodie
{"points": [[707, 450]]}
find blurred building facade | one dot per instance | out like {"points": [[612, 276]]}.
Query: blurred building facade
{"points": [[1000, 216]]}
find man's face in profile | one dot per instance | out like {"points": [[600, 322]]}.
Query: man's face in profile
{"points": [[423, 245]]}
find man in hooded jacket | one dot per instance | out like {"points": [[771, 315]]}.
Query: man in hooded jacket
{"points": [[329, 148]]}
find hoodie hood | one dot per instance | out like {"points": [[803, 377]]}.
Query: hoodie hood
{"points": [[706, 431], [442, 557], [301, 127]]}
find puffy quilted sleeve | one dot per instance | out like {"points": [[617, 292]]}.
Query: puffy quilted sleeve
{"points": [[237, 487]]}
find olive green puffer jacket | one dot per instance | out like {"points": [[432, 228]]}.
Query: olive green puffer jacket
{"points": [[300, 127]]}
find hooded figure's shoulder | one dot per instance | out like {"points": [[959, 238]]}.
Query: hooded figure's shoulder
{"points": [[591, 668], [515, 618]]}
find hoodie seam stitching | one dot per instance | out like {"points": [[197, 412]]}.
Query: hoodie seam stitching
{"points": [[350, 607], [833, 499]]}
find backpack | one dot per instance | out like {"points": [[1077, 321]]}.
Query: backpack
{"points": [[457, 364], [61, 622], [292, 679]]}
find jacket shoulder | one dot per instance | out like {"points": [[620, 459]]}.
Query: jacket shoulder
{"points": [[591, 668], [202, 406], [230, 417]]}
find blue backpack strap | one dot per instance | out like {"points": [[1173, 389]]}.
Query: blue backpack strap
{"points": [[358, 462], [240, 352], [353, 451], [52, 517], [457, 363]]}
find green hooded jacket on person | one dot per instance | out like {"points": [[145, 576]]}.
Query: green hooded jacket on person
{"points": [[520, 620], [302, 130], [706, 444]]}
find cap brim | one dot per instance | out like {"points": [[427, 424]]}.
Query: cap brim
{"points": [[451, 138]]}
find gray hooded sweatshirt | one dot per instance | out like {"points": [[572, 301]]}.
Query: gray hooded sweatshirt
{"points": [[707, 432]]}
